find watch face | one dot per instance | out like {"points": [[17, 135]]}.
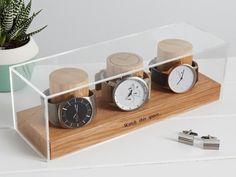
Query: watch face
{"points": [[131, 93], [182, 78], [75, 113]]}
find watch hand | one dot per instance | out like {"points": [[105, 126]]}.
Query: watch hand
{"points": [[77, 117], [76, 108], [130, 93], [179, 80], [182, 73]]}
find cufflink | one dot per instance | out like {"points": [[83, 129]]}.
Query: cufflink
{"points": [[210, 142], [187, 137]]}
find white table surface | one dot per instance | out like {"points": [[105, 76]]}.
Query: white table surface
{"points": [[149, 151]]}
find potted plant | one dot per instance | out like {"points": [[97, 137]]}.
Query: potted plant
{"points": [[16, 45]]}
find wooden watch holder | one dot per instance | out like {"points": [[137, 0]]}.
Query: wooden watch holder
{"points": [[110, 122]]}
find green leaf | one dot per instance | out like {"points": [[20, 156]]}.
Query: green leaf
{"points": [[7, 1], [27, 36], [29, 21], [15, 20], [37, 31], [7, 21], [26, 12], [23, 15], [2, 3], [17, 4], [23, 28]]}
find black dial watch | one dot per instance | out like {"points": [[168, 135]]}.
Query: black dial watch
{"points": [[73, 113]]}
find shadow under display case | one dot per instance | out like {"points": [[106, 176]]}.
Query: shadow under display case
{"points": [[72, 100]]}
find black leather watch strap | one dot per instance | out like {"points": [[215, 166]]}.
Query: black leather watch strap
{"points": [[195, 67], [159, 77]]}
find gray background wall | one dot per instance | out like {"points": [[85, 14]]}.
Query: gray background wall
{"points": [[75, 23]]}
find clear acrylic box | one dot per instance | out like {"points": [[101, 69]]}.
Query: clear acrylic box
{"points": [[30, 80]]}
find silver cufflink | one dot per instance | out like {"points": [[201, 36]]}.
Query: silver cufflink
{"points": [[187, 137], [210, 142]]}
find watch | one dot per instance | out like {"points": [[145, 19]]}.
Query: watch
{"points": [[179, 79], [127, 93], [72, 113]]}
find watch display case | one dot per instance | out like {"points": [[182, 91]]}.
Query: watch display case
{"points": [[72, 100]]}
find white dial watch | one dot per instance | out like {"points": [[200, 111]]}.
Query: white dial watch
{"points": [[127, 93], [179, 79]]}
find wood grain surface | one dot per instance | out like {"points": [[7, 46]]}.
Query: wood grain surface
{"points": [[123, 62], [68, 78], [111, 122], [173, 48]]}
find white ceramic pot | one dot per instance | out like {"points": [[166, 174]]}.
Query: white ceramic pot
{"points": [[9, 57]]}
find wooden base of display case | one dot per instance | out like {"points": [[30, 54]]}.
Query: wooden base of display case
{"points": [[111, 122]]}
